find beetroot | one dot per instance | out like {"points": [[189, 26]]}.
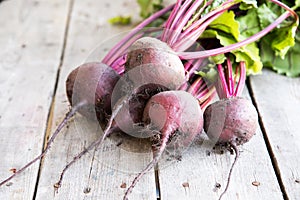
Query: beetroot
{"points": [[129, 118], [94, 84], [151, 50], [151, 67], [168, 115], [231, 120], [157, 68], [174, 113], [146, 74], [89, 89]]}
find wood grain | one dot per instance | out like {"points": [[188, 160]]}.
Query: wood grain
{"points": [[202, 172], [31, 40], [278, 101], [35, 44], [106, 173]]}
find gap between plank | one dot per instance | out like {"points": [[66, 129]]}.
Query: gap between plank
{"points": [[267, 142], [157, 184], [50, 114]]}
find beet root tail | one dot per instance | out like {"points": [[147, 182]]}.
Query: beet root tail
{"points": [[154, 161], [108, 130], [70, 114], [237, 154]]}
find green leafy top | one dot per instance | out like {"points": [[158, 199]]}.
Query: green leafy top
{"points": [[148, 7], [278, 49], [288, 65], [227, 30], [120, 20]]}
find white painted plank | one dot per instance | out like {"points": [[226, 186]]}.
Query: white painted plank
{"points": [[31, 40], [202, 169], [98, 175], [278, 101]]}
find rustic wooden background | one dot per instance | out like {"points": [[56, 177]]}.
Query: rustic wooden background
{"points": [[42, 41]]}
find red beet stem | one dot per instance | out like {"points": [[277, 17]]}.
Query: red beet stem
{"points": [[223, 92], [241, 83], [115, 50], [230, 78]]}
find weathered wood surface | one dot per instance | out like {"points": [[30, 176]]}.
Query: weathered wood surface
{"points": [[205, 172], [31, 38], [278, 101], [101, 174], [29, 71]]}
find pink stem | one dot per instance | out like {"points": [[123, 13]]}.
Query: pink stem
{"points": [[184, 20], [184, 86], [201, 96], [208, 100], [118, 64], [223, 93], [203, 90], [179, 15], [123, 48], [241, 84], [253, 38], [195, 67], [236, 75], [166, 32], [192, 65], [147, 21], [195, 86], [230, 79], [199, 22], [222, 50], [185, 42], [188, 65]]}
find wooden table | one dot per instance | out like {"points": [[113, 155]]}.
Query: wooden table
{"points": [[42, 41]]}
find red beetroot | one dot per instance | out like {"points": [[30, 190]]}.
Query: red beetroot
{"points": [[151, 67], [93, 83], [166, 115], [149, 50], [146, 73], [89, 89], [231, 120]]}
